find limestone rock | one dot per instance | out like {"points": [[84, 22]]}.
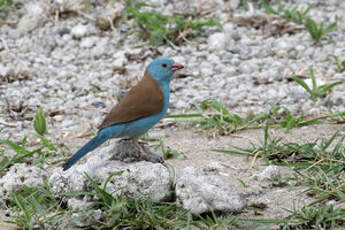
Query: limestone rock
{"points": [[143, 180], [202, 193], [19, 175]]}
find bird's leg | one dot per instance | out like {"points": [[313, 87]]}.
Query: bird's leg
{"points": [[143, 154]]}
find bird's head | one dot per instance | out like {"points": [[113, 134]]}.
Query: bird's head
{"points": [[162, 69]]}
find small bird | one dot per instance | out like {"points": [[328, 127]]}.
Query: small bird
{"points": [[140, 109]]}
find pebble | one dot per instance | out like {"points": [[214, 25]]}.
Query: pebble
{"points": [[33, 17], [248, 67], [79, 31], [217, 41], [271, 172], [70, 56], [88, 42]]}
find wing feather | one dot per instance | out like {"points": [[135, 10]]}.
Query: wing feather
{"points": [[143, 100]]}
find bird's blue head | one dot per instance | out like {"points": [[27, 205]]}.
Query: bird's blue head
{"points": [[162, 69]]}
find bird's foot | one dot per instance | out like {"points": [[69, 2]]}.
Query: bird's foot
{"points": [[143, 155]]}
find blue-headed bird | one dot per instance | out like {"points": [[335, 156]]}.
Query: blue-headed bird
{"points": [[140, 109]]}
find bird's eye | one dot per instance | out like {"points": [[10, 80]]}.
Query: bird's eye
{"points": [[164, 65]]}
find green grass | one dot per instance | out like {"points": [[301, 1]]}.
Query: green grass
{"points": [[316, 91], [318, 167], [338, 117], [40, 123], [294, 14], [275, 151], [316, 217], [298, 16], [244, 4], [220, 119], [35, 207], [38, 208], [318, 31], [340, 64], [6, 6], [21, 154], [214, 117], [306, 218], [169, 153], [159, 28], [24, 153], [129, 213]]}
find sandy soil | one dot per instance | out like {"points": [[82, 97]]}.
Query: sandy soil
{"points": [[275, 199]]}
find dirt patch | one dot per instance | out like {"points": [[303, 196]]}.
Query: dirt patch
{"points": [[273, 200]]}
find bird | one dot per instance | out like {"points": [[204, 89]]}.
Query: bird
{"points": [[140, 109]]}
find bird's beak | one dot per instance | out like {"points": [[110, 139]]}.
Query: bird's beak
{"points": [[176, 66]]}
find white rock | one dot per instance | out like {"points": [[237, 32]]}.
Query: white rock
{"points": [[75, 204], [319, 81], [86, 218], [214, 166], [235, 4], [88, 42], [143, 180], [284, 45], [217, 41], [79, 31], [19, 175], [271, 172], [201, 193], [35, 15], [212, 58], [98, 51], [138, 179], [3, 70], [207, 71], [248, 67], [181, 104]]}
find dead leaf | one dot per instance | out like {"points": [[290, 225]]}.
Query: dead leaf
{"points": [[255, 204], [12, 76], [270, 25], [262, 80], [143, 54], [119, 69]]}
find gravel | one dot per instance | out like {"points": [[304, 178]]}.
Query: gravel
{"points": [[71, 65]]}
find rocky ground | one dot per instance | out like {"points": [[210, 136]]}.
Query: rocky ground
{"points": [[59, 56]]}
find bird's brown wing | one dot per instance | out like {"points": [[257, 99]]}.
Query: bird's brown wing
{"points": [[144, 99]]}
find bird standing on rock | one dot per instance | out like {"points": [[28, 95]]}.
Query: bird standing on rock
{"points": [[140, 109]]}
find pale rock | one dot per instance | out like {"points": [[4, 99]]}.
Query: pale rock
{"points": [[88, 42], [143, 180], [248, 67], [181, 104], [309, 81], [207, 71], [214, 166], [33, 17], [86, 218], [271, 172], [217, 41], [18, 175], [201, 193], [235, 4], [79, 31], [212, 58], [228, 29]]}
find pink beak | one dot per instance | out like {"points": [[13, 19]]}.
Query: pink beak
{"points": [[176, 66]]}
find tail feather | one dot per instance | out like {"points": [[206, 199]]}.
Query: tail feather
{"points": [[88, 147]]}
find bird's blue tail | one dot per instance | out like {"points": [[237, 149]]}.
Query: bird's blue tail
{"points": [[101, 137]]}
